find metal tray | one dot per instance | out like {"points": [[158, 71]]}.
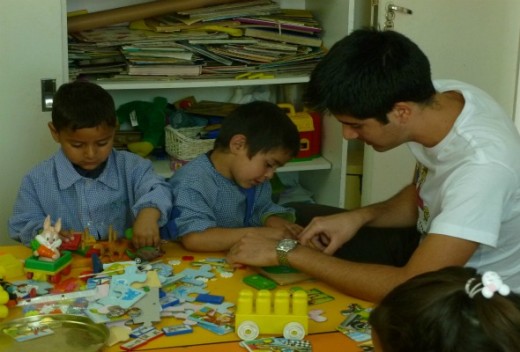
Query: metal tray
{"points": [[71, 333]]}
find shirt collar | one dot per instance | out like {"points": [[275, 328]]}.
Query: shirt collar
{"points": [[68, 176]]}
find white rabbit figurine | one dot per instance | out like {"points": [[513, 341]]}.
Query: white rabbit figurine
{"points": [[49, 238]]}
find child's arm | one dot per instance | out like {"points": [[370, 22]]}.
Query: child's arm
{"points": [[152, 204], [218, 239], [290, 228], [146, 228], [27, 218]]}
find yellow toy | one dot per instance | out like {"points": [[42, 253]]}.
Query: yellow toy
{"points": [[10, 267], [4, 298], [287, 315]]}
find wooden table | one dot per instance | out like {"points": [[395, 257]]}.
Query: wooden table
{"points": [[323, 336]]}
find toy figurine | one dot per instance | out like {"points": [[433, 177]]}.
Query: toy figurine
{"points": [[146, 254], [46, 244]]}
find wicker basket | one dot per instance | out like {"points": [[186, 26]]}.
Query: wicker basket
{"points": [[183, 143]]}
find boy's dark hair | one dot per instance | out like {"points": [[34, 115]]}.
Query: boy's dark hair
{"points": [[265, 126], [82, 104], [367, 72], [433, 312]]}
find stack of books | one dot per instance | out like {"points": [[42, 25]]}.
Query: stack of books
{"points": [[220, 41]]}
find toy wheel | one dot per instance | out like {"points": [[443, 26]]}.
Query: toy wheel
{"points": [[294, 331], [29, 275], [248, 330], [54, 279], [67, 270]]}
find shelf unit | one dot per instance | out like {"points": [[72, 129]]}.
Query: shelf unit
{"points": [[162, 166], [324, 176]]}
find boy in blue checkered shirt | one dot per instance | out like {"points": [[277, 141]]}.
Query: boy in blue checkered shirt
{"points": [[87, 183], [220, 196]]}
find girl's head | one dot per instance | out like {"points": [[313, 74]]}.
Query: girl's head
{"points": [[449, 310]]}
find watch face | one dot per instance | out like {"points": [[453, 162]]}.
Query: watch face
{"points": [[287, 244]]}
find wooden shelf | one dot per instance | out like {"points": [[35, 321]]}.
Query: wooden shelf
{"points": [[162, 167], [199, 83]]}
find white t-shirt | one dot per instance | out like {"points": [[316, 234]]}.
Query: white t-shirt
{"points": [[469, 183]]}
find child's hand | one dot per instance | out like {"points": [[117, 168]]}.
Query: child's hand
{"points": [[146, 229], [289, 229], [293, 230]]}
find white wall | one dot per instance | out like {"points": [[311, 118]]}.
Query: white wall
{"points": [[476, 41]]}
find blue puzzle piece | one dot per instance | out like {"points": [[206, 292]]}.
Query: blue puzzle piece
{"points": [[202, 271], [120, 292], [207, 298], [183, 293]]}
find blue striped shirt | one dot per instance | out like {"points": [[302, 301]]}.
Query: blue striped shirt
{"points": [[203, 198], [53, 187]]}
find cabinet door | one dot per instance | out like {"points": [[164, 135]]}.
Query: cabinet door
{"points": [[475, 41], [338, 18], [32, 43]]}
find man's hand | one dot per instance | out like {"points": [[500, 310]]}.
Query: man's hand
{"points": [[146, 229], [328, 233]]}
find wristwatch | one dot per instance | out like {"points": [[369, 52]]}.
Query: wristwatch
{"points": [[283, 248]]}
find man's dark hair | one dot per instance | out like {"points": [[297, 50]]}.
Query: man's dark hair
{"points": [[367, 72]]}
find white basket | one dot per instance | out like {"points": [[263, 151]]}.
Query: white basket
{"points": [[184, 144]]}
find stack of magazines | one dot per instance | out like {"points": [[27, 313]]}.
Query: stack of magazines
{"points": [[222, 41]]}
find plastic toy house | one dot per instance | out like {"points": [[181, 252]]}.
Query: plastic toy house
{"points": [[285, 314], [309, 127]]}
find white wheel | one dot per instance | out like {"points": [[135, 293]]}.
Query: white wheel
{"points": [[248, 330], [294, 331]]}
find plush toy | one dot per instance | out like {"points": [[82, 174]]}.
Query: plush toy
{"points": [[147, 117]]}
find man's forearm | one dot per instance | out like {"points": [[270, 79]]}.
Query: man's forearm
{"points": [[369, 282], [398, 211]]}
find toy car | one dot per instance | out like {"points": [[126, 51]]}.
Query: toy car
{"points": [[51, 271], [287, 315]]}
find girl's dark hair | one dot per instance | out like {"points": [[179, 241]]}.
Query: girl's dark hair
{"points": [[366, 73], [82, 104], [433, 312], [265, 126]]}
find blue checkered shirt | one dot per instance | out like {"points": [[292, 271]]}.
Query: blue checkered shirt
{"points": [[53, 187], [203, 198]]}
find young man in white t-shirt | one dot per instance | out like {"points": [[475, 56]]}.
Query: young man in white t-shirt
{"points": [[465, 199]]}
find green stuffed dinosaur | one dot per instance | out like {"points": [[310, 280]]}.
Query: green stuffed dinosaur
{"points": [[147, 117]]}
